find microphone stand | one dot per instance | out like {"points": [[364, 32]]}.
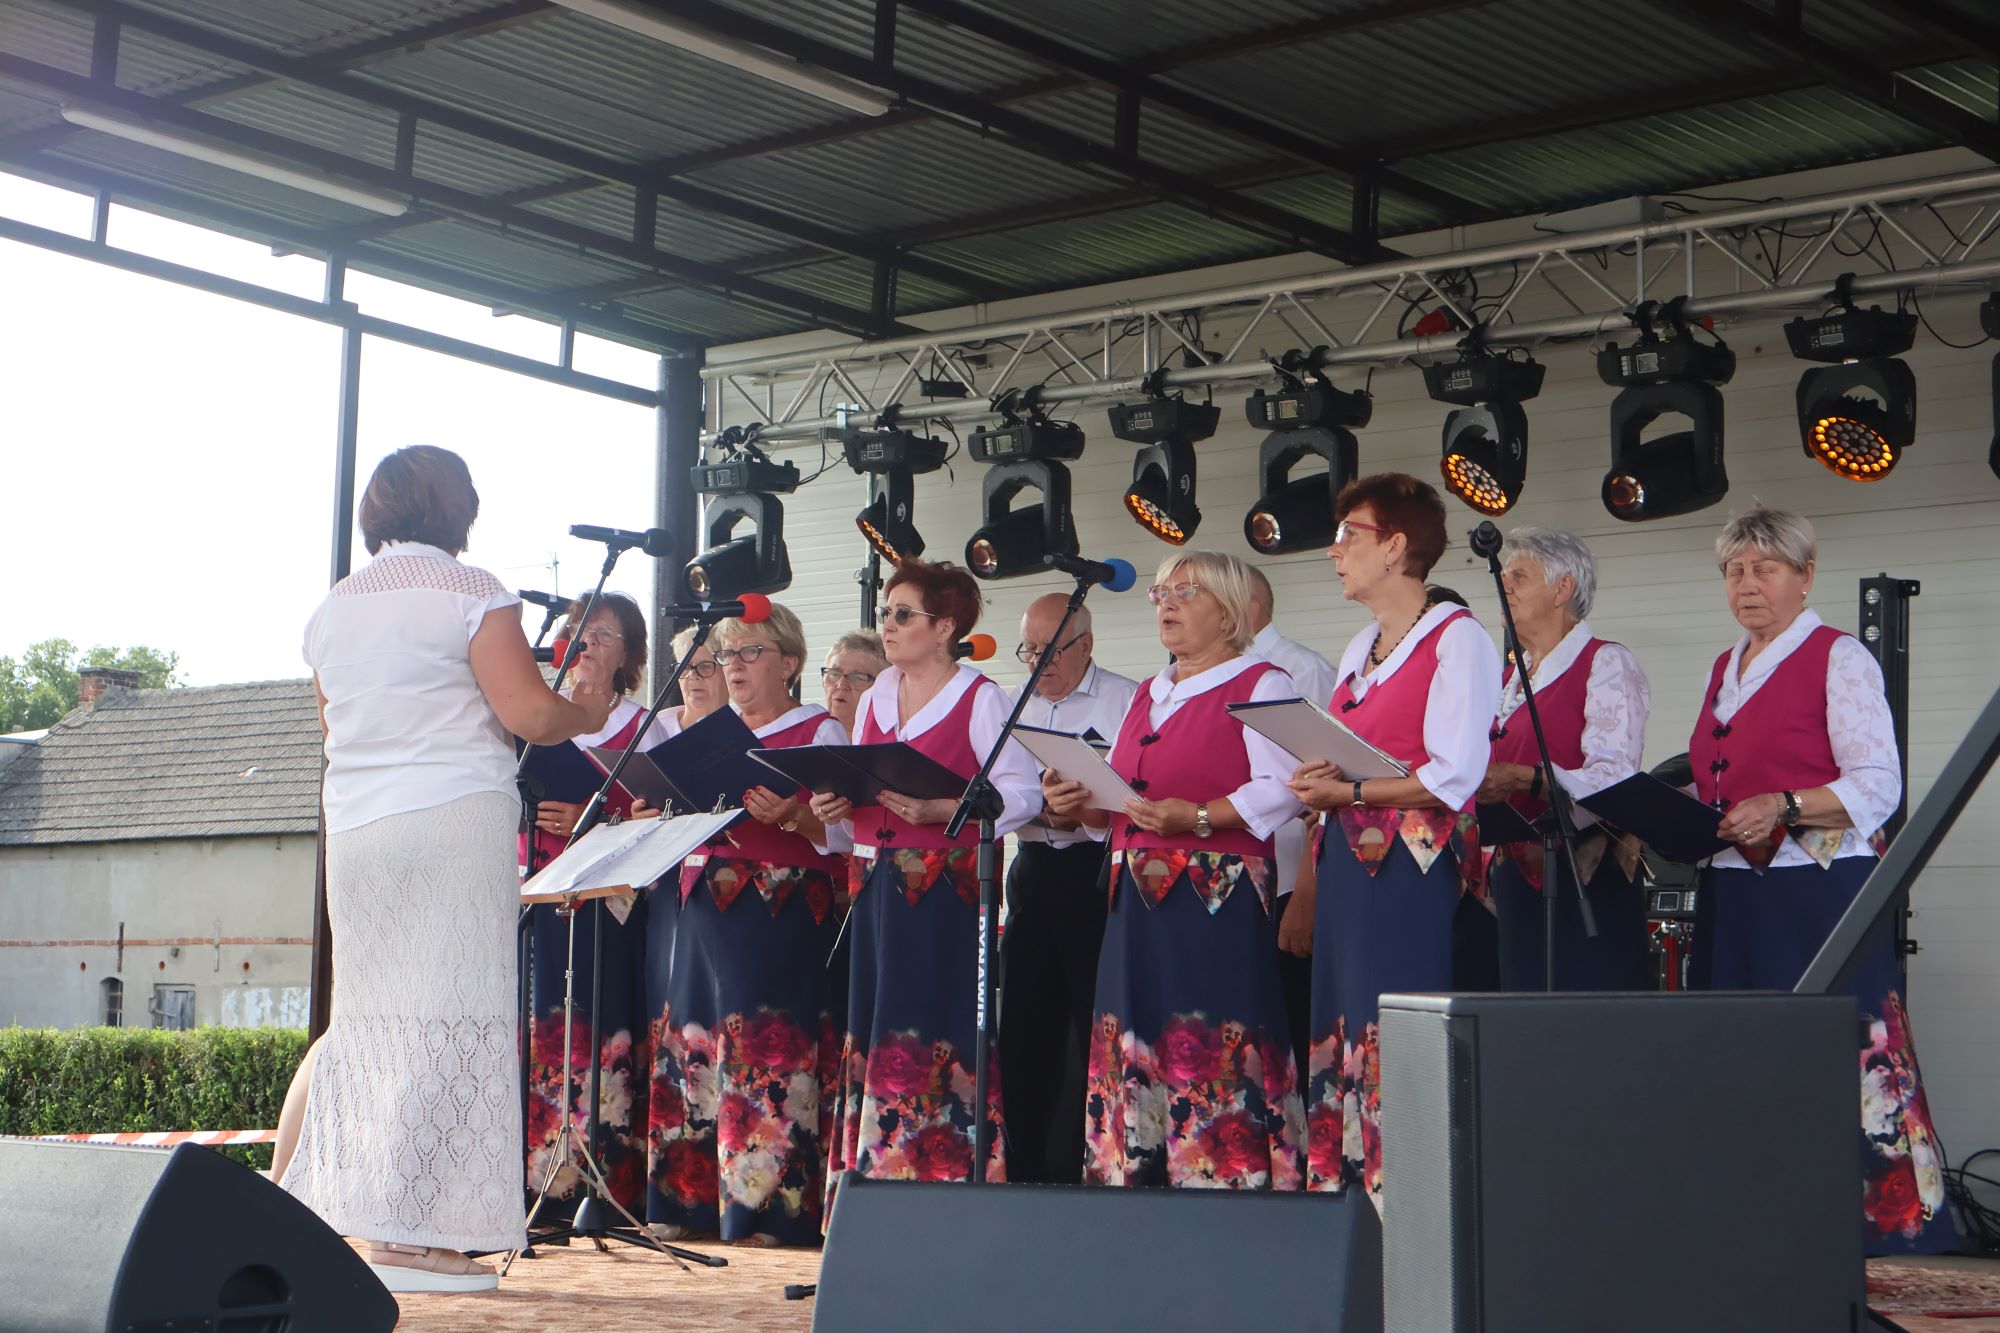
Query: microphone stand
{"points": [[1561, 831], [982, 799], [591, 1220]]}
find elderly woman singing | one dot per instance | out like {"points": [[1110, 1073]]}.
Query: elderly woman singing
{"points": [[1796, 745]]}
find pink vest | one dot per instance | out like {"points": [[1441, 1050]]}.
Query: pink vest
{"points": [[1196, 755], [618, 802], [767, 842], [1777, 741], [1390, 716], [950, 743], [1561, 706]]}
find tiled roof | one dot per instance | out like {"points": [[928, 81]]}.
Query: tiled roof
{"points": [[211, 762]]}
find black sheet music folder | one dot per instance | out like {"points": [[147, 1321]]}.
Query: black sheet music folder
{"points": [[707, 764], [1663, 817], [561, 772], [861, 773]]}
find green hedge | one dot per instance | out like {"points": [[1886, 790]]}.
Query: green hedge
{"points": [[109, 1080]]}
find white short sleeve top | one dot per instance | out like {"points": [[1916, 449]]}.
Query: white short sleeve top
{"points": [[407, 726]]}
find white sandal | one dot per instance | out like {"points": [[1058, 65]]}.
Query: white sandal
{"points": [[428, 1270]]}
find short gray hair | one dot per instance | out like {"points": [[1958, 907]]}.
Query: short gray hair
{"points": [[1225, 576], [858, 641], [1776, 532], [1559, 552]]}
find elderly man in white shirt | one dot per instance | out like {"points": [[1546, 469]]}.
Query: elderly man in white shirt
{"points": [[1314, 676], [1055, 913]]}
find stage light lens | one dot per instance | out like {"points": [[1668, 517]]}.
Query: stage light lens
{"points": [[1475, 485], [891, 539], [1155, 519], [1625, 495], [985, 558], [1265, 531], [697, 582], [1853, 449]]}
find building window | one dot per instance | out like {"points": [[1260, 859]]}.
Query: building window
{"points": [[173, 1007], [112, 991]]}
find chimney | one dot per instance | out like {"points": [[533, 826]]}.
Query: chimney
{"points": [[93, 683]]}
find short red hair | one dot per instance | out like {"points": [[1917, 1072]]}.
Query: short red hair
{"points": [[945, 590], [1401, 504]]}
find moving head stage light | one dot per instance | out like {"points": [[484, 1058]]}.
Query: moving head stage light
{"points": [[1665, 373], [1161, 497], [1989, 320], [1484, 456], [1858, 414], [1026, 453], [1307, 418], [745, 485], [893, 458]]}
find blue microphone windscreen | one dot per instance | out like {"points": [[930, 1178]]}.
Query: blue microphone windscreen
{"points": [[1123, 576]]}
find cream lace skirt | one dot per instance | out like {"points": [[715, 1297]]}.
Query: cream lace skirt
{"points": [[413, 1119]]}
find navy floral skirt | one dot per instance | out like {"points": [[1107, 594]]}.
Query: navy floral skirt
{"points": [[624, 1054], [1191, 1079], [1619, 959], [1386, 932], [743, 1047], [1760, 933], [906, 1088]]}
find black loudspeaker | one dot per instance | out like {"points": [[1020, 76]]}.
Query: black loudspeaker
{"points": [[1638, 1163], [905, 1255], [97, 1239]]}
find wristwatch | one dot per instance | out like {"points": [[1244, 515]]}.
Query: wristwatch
{"points": [[1357, 796], [1202, 828], [791, 825], [1793, 810]]}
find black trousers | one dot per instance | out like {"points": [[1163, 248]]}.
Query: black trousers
{"points": [[1048, 961]]}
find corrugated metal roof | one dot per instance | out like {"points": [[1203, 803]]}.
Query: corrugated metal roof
{"points": [[1419, 82]]}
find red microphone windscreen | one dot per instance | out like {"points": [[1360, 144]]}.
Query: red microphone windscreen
{"points": [[756, 608], [560, 652], [980, 646]]}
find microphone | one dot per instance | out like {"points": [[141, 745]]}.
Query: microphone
{"points": [[1116, 575], [1485, 539], [751, 608], [655, 542], [978, 647], [554, 654], [548, 601]]}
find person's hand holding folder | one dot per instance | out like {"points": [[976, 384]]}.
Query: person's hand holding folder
{"points": [[1064, 800], [1320, 785], [832, 808]]}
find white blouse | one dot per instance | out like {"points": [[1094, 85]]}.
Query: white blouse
{"points": [[1312, 676], [1015, 774], [1264, 802], [1858, 724], [407, 727], [1458, 714], [1616, 702]]}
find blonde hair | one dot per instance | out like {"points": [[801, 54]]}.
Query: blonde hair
{"points": [[1228, 578], [785, 631], [1777, 532]]}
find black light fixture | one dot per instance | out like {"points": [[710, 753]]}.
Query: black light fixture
{"points": [[1665, 372], [1858, 413], [1027, 452], [744, 486], [1989, 321], [892, 459], [1161, 498], [1484, 454], [1307, 418]]}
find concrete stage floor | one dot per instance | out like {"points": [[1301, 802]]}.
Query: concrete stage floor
{"points": [[628, 1289]]}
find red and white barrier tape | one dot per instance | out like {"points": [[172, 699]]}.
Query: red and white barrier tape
{"points": [[168, 1138]]}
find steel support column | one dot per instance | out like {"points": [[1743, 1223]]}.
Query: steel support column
{"points": [[676, 507]]}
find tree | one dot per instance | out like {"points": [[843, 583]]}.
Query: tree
{"points": [[41, 687]]}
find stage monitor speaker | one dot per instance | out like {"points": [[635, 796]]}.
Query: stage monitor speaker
{"points": [[99, 1239], [1644, 1163], [1004, 1258]]}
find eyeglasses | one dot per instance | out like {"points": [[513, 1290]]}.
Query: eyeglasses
{"points": [[749, 652], [703, 670], [600, 638], [900, 615], [1180, 592], [1348, 527], [861, 680], [1028, 655]]}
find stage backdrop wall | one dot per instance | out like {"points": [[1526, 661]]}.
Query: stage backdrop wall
{"points": [[1937, 519]]}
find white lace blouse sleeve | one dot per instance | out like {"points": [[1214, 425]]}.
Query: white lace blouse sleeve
{"points": [[1458, 714], [1015, 774], [1863, 736], [1617, 700], [1264, 802]]}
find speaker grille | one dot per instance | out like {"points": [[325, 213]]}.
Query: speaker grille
{"points": [[1429, 1173]]}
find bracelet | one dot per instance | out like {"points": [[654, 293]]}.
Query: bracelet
{"points": [[1535, 787], [1357, 795]]}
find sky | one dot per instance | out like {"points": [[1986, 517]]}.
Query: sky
{"points": [[166, 456]]}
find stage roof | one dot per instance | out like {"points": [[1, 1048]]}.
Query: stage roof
{"points": [[553, 163]]}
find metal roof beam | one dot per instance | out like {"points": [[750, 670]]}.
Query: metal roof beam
{"points": [[1975, 32], [596, 168], [1039, 139], [1857, 75], [456, 202], [1243, 124]]}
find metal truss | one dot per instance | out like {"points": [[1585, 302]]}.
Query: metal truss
{"points": [[1911, 236]]}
